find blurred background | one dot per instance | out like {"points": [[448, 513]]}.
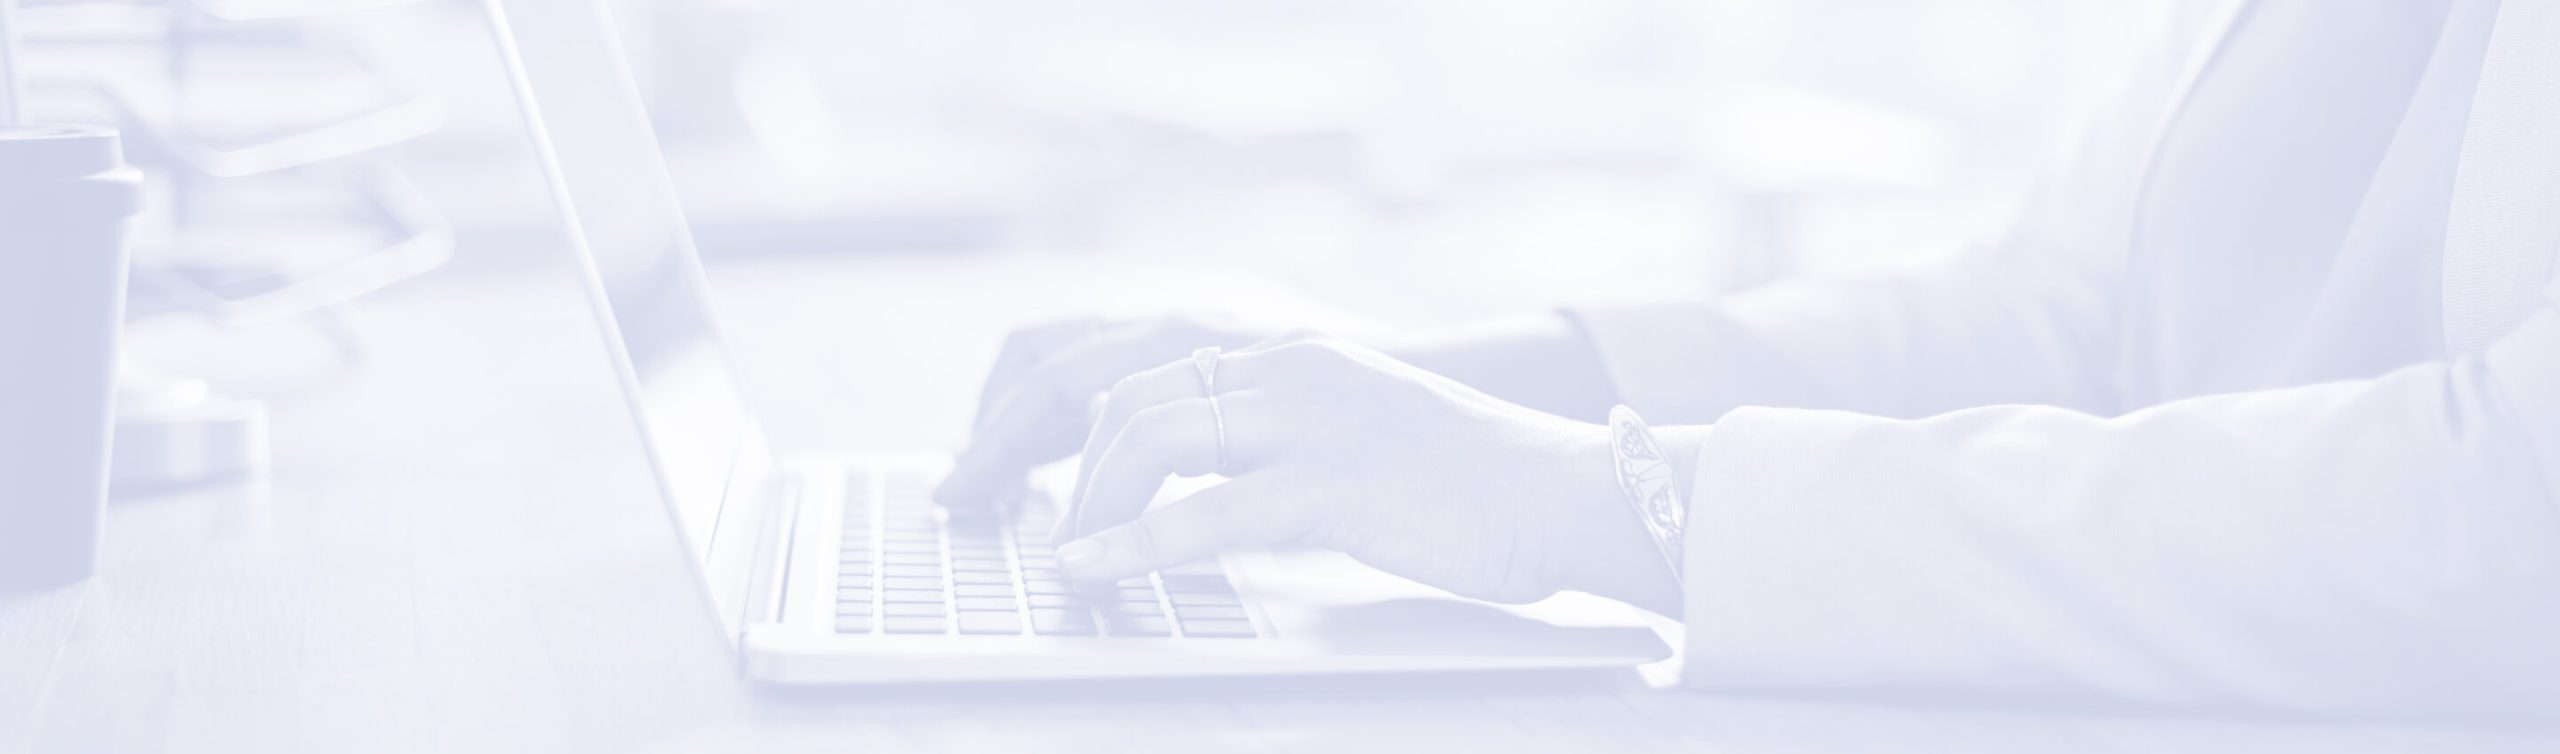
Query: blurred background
{"points": [[1417, 162]]}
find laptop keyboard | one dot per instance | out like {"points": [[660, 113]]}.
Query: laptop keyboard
{"points": [[907, 568]]}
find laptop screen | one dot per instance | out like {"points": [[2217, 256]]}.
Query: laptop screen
{"points": [[602, 159]]}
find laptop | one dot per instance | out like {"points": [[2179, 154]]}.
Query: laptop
{"points": [[838, 568]]}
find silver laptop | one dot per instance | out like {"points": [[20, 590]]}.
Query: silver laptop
{"points": [[838, 569]]}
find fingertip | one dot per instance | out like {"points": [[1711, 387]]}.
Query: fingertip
{"points": [[1082, 554], [957, 490], [1091, 560]]}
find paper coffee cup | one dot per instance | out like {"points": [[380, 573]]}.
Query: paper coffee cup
{"points": [[66, 197]]}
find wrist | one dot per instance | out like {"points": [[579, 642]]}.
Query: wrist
{"points": [[1684, 445], [1620, 558], [1541, 361]]}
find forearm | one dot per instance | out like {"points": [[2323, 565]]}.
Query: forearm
{"points": [[1540, 361], [2384, 546]]}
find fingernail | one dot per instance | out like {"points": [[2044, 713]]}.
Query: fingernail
{"points": [[1082, 553]]}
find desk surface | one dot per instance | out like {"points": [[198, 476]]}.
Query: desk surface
{"points": [[458, 551]]}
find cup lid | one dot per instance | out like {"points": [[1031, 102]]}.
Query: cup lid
{"points": [[58, 151]]}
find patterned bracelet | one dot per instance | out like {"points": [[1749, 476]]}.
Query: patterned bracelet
{"points": [[1645, 473]]}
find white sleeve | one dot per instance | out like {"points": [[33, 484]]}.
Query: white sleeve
{"points": [[2028, 320], [2382, 545]]}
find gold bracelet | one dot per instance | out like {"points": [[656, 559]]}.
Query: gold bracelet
{"points": [[1646, 475]]}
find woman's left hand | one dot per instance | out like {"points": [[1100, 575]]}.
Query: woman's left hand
{"points": [[1339, 446]]}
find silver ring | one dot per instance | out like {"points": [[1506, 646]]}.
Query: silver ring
{"points": [[1206, 361]]}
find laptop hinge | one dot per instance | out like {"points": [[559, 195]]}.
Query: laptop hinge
{"points": [[770, 577]]}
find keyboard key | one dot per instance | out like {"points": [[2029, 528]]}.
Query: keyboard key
{"points": [[895, 609], [911, 582], [1040, 586], [853, 624], [977, 552], [853, 581], [853, 596], [983, 590], [1110, 609], [980, 566], [912, 558], [972, 577], [913, 545], [986, 604], [1138, 625], [1031, 562], [1182, 583], [1218, 629], [1203, 598], [1134, 594], [1062, 622], [1186, 613], [990, 623], [933, 571], [913, 625], [1057, 600], [912, 595]]}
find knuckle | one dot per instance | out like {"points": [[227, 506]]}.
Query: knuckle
{"points": [[1220, 516], [1140, 537], [1125, 389], [1020, 340], [1318, 353], [1288, 337], [1145, 420]]}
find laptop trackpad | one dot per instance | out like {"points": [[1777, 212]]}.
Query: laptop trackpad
{"points": [[1346, 607]]}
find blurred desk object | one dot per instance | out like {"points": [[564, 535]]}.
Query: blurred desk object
{"points": [[259, 127], [459, 552]]}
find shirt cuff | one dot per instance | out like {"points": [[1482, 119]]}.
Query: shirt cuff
{"points": [[1751, 550]]}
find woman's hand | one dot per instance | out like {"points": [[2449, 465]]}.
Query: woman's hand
{"points": [[1340, 446], [1037, 403]]}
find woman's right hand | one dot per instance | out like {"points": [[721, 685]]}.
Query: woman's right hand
{"points": [[1038, 402]]}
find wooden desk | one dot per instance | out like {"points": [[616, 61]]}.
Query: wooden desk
{"points": [[458, 552]]}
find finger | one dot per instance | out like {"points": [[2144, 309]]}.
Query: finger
{"points": [[1154, 387], [1181, 438], [999, 459], [1163, 384], [1043, 417], [1240, 513], [1300, 335], [1028, 347]]}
